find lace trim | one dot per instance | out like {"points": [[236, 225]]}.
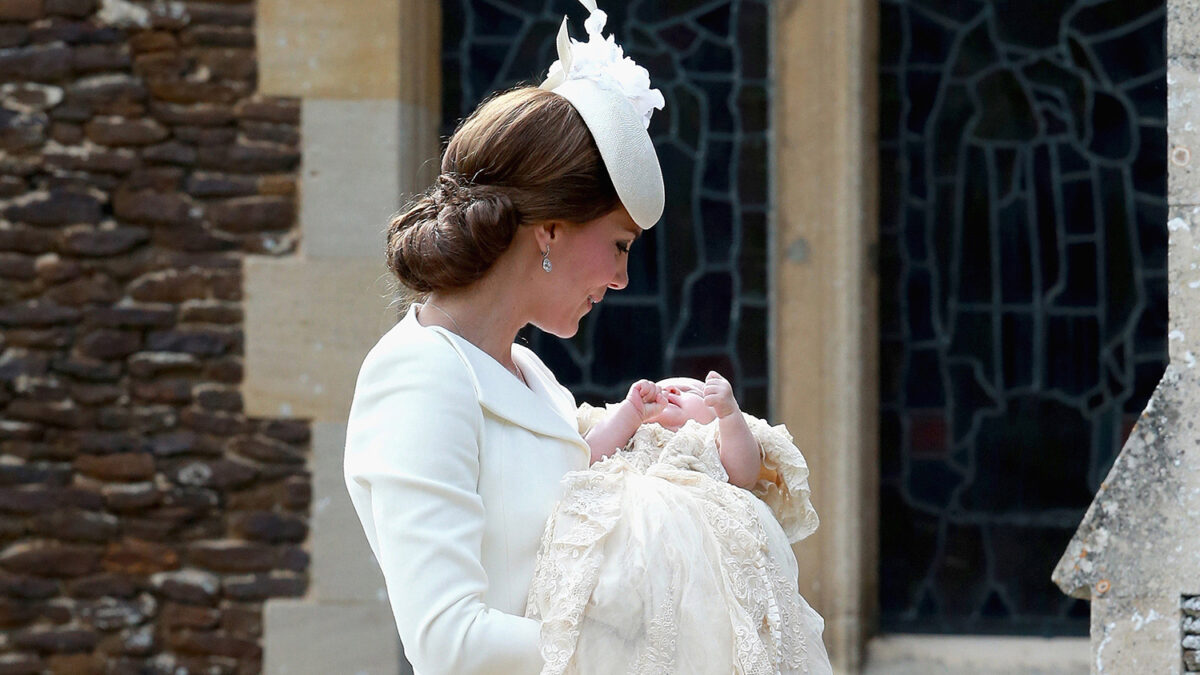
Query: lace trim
{"points": [[766, 611], [767, 629], [588, 416], [790, 496], [569, 560]]}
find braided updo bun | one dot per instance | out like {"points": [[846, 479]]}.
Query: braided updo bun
{"points": [[523, 157], [450, 235]]}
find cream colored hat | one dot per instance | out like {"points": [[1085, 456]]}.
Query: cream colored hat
{"points": [[614, 98]]}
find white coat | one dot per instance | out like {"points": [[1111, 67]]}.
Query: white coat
{"points": [[453, 466]]}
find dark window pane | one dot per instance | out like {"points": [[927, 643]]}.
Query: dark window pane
{"points": [[1023, 311], [698, 290]]}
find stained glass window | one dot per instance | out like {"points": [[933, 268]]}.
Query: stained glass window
{"points": [[697, 296], [1023, 293]]}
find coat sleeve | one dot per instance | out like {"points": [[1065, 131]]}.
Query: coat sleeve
{"points": [[412, 469]]}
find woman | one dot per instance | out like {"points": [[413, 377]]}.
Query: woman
{"points": [[458, 438]]}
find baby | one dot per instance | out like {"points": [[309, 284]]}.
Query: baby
{"points": [[671, 403], [674, 555]]}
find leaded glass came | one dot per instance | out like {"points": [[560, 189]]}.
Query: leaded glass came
{"points": [[1023, 293], [697, 296]]}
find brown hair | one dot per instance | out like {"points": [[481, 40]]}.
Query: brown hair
{"points": [[524, 156]]}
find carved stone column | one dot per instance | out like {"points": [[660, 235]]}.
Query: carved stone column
{"points": [[825, 373]]}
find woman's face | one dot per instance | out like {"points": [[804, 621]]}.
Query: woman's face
{"points": [[685, 401], [588, 259]]}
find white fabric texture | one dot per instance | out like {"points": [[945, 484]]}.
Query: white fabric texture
{"points": [[453, 467], [653, 563]]}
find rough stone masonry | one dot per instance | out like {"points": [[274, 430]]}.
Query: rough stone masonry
{"points": [[143, 517]]}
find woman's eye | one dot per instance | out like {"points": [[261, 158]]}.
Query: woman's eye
{"points": [[622, 247]]}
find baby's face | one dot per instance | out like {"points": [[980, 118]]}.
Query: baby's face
{"points": [[685, 401]]}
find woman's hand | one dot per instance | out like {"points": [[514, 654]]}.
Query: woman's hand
{"points": [[718, 395], [647, 399]]}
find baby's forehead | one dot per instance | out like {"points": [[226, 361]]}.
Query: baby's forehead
{"points": [[682, 383]]}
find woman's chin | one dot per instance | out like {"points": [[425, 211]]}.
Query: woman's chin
{"points": [[564, 331]]}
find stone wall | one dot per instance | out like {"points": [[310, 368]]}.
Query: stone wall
{"points": [[144, 518], [1190, 630]]}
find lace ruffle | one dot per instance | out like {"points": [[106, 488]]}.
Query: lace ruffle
{"points": [[655, 533], [769, 634], [789, 497], [588, 416], [569, 560]]}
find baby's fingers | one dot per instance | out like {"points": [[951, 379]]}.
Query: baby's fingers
{"points": [[645, 390], [716, 388], [653, 409]]}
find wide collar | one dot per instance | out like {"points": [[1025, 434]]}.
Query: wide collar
{"points": [[542, 407]]}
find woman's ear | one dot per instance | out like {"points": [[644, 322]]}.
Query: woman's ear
{"points": [[544, 234]]}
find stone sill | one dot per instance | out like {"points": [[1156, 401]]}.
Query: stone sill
{"points": [[975, 654]]}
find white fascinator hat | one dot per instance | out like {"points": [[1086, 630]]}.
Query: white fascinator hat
{"points": [[613, 96]]}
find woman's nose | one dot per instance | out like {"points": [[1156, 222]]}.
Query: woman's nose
{"points": [[622, 278]]}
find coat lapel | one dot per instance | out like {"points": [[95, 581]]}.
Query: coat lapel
{"points": [[503, 395]]}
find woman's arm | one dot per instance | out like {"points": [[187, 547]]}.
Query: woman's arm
{"points": [[412, 468]]}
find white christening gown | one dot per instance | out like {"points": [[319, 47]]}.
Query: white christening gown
{"points": [[652, 563]]}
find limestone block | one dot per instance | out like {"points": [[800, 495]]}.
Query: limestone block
{"points": [[1135, 635], [329, 49], [302, 637], [1183, 25], [1183, 130], [343, 567], [978, 655], [1128, 544], [309, 323], [360, 159], [369, 49], [1183, 284]]}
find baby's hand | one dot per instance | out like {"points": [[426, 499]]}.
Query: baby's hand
{"points": [[718, 395], [647, 400]]}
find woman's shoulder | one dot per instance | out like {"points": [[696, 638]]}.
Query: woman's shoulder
{"points": [[412, 352], [411, 376]]}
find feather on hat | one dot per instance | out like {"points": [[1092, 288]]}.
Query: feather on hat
{"points": [[613, 96]]}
